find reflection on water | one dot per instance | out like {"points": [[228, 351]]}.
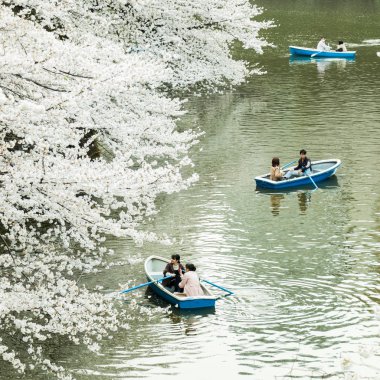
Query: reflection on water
{"points": [[278, 199], [322, 64], [304, 199], [275, 200]]}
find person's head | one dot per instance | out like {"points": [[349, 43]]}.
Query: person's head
{"points": [[190, 267], [340, 42], [303, 152], [323, 39], [176, 259], [275, 161]]}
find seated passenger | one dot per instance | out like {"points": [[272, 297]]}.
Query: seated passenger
{"points": [[190, 282], [175, 269], [322, 46], [275, 171], [303, 167], [341, 46]]}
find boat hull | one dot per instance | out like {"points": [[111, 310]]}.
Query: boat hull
{"points": [[322, 170], [306, 52], [154, 266]]}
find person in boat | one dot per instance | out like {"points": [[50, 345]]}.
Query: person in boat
{"points": [[341, 46], [275, 171], [190, 282], [303, 167], [174, 269], [322, 46]]}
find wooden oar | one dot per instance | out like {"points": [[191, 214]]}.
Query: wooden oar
{"points": [[311, 179], [219, 287], [145, 284]]}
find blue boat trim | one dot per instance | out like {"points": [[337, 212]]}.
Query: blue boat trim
{"points": [[308, 52], [322, 170], [154, 267]]}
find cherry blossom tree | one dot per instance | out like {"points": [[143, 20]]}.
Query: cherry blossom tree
{"points": [[78, 76]]}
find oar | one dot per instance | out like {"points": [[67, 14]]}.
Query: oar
{"points": [[288, 164], [311, 179], [142, 285], [313, 55], [218, 286]]}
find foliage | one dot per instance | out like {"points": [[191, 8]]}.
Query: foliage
{"points": [[74, 75]]}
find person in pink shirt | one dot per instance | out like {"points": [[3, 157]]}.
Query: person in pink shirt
{"points": [[190, 282]]}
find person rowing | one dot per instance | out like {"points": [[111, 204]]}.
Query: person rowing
{"points": [[303, 167], [322, 46], [174, 269]]}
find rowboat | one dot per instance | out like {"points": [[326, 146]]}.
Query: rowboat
{"points": [[154, 268], [378, 53], [321, 170], [309, 52]]}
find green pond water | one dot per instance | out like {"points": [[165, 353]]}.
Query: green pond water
{"points": [[305, 266]]}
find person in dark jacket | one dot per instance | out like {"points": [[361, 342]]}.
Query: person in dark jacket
{"points": [[175, 269], [304, 163], [303, 166]]}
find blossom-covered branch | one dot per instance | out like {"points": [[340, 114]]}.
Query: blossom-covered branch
{"points": [[75, 75]]}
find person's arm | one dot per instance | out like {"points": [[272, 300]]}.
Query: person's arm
{"points": [[167, 271], [307, 166], [299, 165], [184, 281]]}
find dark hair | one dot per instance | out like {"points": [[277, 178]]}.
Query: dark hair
{"points": [[176, 257], [340, 42], [275, 161], [191, 267], [303, 151]]}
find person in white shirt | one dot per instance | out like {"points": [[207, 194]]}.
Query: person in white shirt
{"points": [[341, 46], [322, 46]]}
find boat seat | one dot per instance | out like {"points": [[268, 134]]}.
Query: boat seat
{"points": [[157, 275]]}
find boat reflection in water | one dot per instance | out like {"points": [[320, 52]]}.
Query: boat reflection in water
{"points": [[304, 198], [278, 199], [322, 64], [275, 203]]}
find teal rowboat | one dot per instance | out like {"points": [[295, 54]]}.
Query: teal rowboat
{"points": [[308, 52], [154, 268], [321, 170]]}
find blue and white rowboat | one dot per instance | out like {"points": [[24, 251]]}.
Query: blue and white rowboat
{"points": [[308, 52], [321, 170], [154, 268]]}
